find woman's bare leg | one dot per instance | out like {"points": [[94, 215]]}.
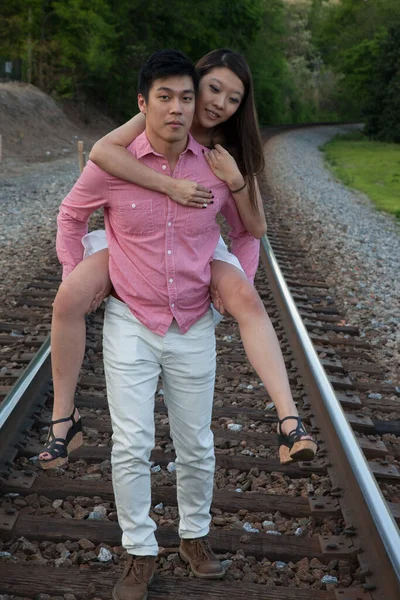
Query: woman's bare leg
{"points": [[259, 339], [88, 282]]}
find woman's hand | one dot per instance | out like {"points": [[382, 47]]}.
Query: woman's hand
{"points": [[216, 300], [96, 302], [99, 297], [224, 167], [189, 193]]}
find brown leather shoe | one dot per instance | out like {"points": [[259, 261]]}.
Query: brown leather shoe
{"points": [[138, 574], [202, 560]]}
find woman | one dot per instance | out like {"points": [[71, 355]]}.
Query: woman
{"points": [[225, 114]]}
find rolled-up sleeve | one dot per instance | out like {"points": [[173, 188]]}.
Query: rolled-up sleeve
{"points": [[244, 246], [88, 194]]}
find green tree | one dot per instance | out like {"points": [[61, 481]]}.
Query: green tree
{"points": [[382, 109], [20, 31], [268, 66], [195, 28], [94, 51], [348, 35], [85, 36], [338, 27]]}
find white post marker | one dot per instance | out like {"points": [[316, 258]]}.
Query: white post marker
{"points": [[81, 156]]}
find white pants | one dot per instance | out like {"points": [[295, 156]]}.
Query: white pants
{"points": [[134, 357]]}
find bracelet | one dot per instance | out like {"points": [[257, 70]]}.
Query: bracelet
{"points": [[239, 189]]}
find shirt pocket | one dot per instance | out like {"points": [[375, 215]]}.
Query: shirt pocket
{"points": [[201, 220], [135, 214]]}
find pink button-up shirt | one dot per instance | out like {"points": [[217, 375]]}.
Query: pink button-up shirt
{"points": [[160, 251]]}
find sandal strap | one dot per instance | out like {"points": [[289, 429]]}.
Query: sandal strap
{"points": [[298, 419], [63, 420], [55, 449], [288, 439]]}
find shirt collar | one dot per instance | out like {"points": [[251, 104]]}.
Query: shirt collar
{"points": [[143, 146]]}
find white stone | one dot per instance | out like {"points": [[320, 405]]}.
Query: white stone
{"points": [[329, 579], [100, 509], [247, 452], [104, 555], [235, 427], [99, 512], [159, 509], [267, 524], [249, 528]]}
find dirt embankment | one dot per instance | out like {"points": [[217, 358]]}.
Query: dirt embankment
{"points": [[34, 128]]}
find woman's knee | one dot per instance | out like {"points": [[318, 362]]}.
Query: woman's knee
{"points": [[70, 301], [242, 297], [89, 280]]}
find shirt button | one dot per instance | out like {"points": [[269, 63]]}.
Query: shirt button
{"points": [[172, 305], [171, 280], [169, 224], [169, 252], [164, 167], [133, 205]]}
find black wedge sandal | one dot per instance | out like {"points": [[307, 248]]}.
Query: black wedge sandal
{"points": [[291, 447], [59, 448]]}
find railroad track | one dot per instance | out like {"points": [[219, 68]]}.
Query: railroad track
{"points": [[305, 531]]}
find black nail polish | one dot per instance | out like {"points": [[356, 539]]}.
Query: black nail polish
{"points": [[212, 201], [204, 206]]}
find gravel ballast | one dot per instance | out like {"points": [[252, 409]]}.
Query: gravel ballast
{"points": [[29, 206], [356, 247]]}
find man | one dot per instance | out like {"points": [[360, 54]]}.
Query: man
{"points": [[158, 318]]}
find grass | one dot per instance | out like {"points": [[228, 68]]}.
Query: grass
{"points": [[371, 167]]}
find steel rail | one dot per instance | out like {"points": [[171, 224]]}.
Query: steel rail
{"points": [[362, 498], [24, 395]]}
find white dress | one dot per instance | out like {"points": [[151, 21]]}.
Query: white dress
{"points": [[96, 240]]}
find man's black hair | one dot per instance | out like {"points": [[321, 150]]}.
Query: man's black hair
{"points": [[165, 63]]}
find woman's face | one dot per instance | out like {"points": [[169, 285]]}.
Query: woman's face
{"points": [[219, 97]]}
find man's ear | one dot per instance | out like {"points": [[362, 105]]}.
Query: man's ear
{"points": [[142, 104]]}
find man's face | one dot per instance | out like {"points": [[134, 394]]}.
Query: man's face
{"points": [[170, 108]]}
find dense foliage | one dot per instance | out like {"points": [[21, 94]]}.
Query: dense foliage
{"points": [[311, 59], [93, 50], [358, 40], [382, 109]]}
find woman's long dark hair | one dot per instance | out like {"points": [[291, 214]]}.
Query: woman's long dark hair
{"points": [[240, 131]]}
